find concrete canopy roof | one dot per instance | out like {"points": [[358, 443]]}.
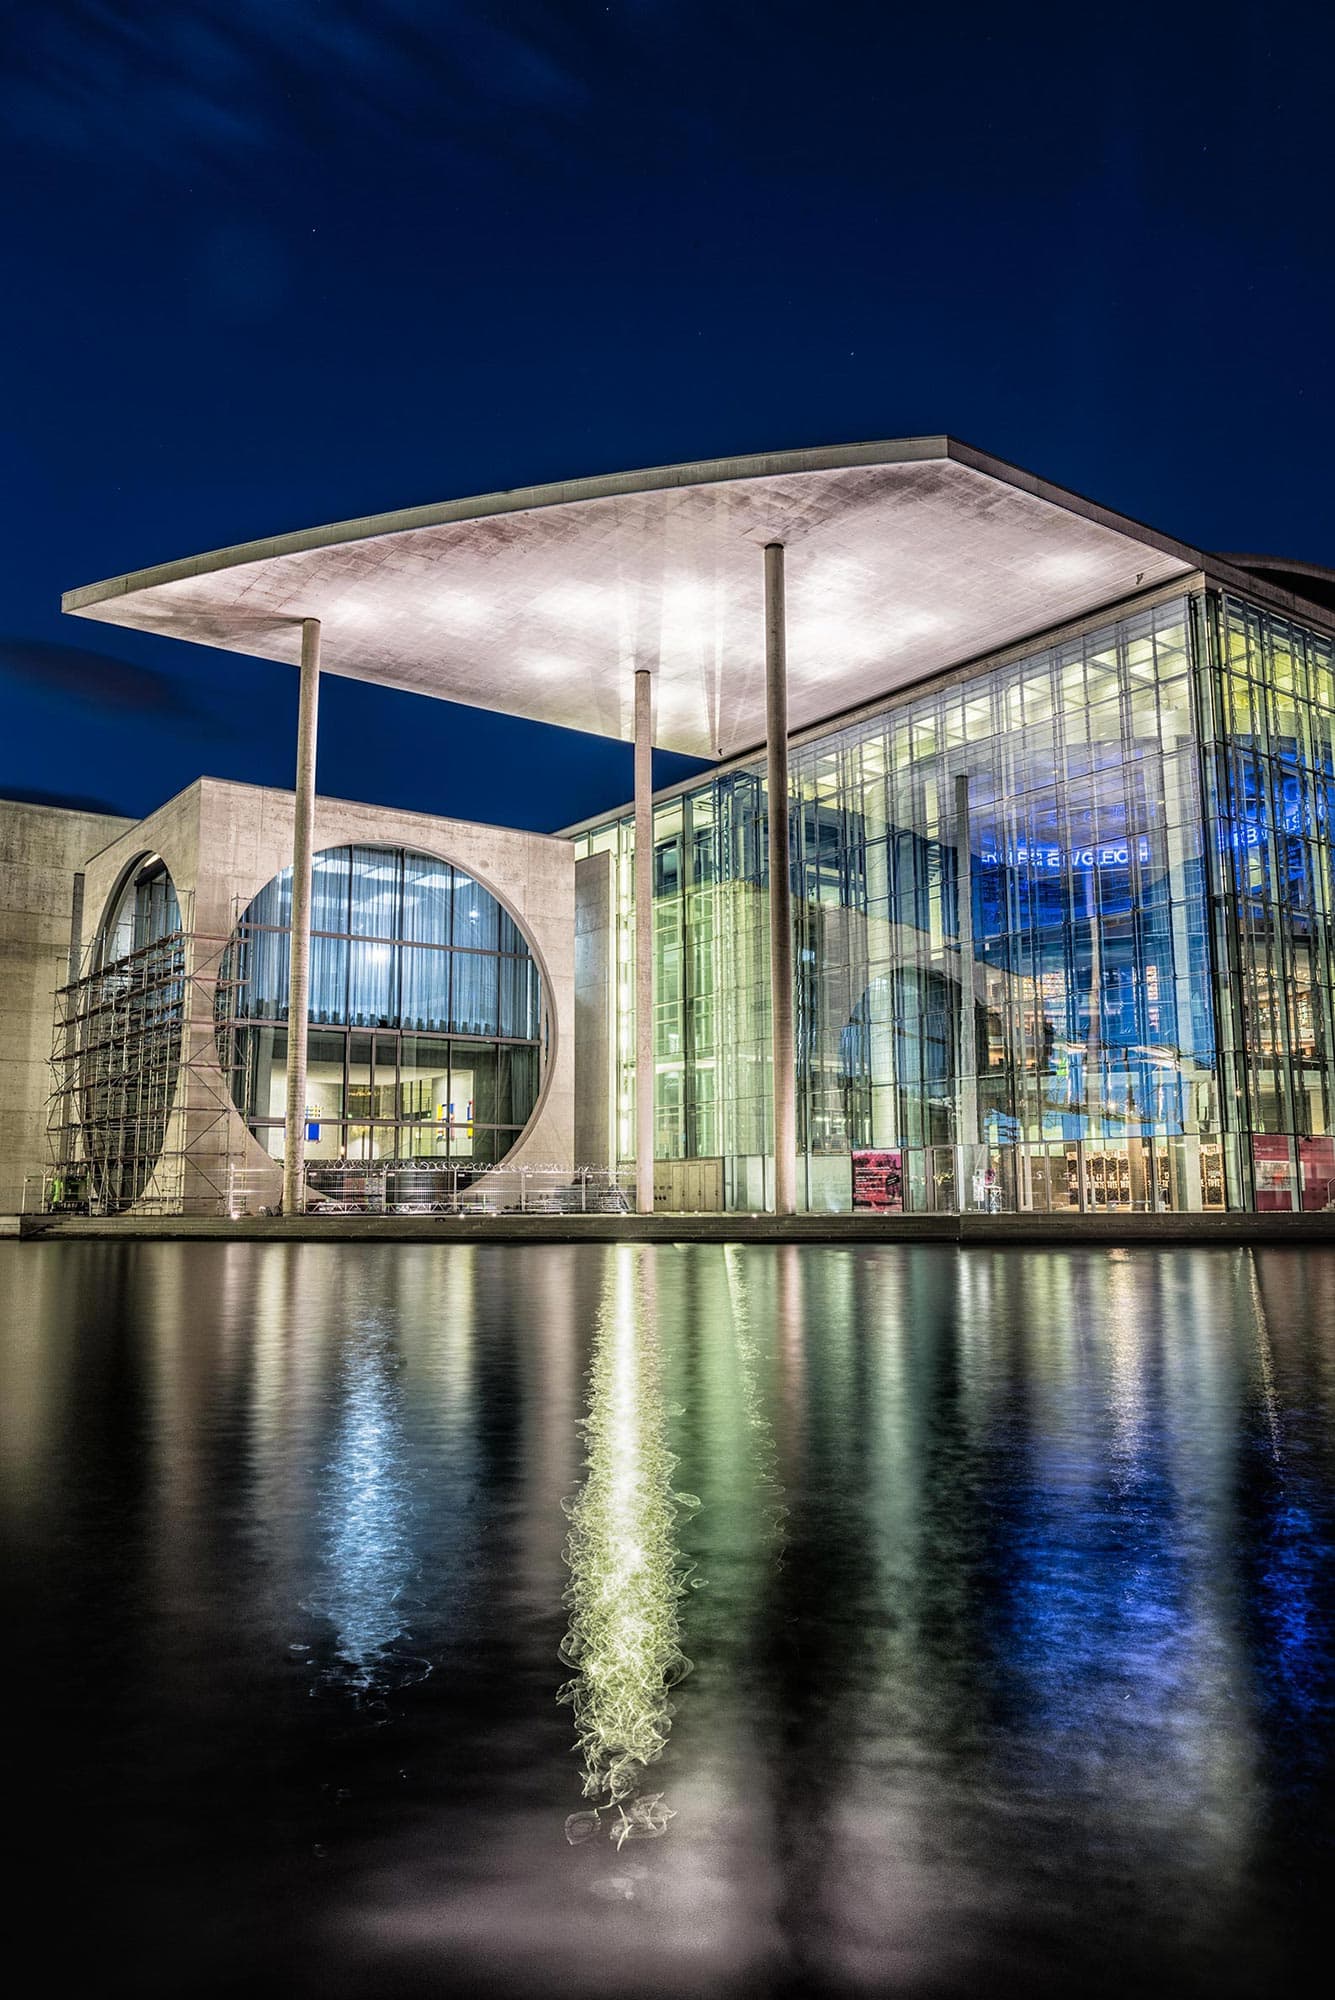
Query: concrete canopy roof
{"points": [[905, 558]]}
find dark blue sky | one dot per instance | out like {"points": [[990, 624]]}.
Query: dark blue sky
{"points": [[275, 262]]}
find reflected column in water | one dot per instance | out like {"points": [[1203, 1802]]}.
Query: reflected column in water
{"points": [[626, 1575], [1294, 1672], [763, 1452], [366, 1509]]}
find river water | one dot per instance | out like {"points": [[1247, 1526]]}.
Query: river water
{"points": [[683, 1620]]}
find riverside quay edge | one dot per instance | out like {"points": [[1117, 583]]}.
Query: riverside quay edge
{"points": [[1044, 925]]}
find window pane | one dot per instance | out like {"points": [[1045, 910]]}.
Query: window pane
{"points": [[480, 1065], [272, 908], [476, 915], [329, 979], [426, 900], [330, 871], [473, 1006], [373, 972], [264, 975], [376, 878], [426, 988], [514, 997]]}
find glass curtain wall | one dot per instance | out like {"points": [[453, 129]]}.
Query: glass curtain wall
{"points": [[427, 1030], [1268, 709], [1004, 962]]}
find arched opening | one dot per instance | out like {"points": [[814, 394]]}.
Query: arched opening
{"points": [[129, 1025]]}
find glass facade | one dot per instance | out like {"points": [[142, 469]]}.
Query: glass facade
{"points": [[427, 1032], [1268, 718], [1061, 935]]}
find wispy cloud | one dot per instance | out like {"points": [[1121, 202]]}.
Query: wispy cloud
{"points": [[228, 78], [100, 679]]}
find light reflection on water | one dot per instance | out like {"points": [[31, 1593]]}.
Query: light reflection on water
{"points": [[365, 1512], [626, 1573], [1012, 1634]]}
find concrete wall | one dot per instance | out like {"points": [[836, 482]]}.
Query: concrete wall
{"points": [[595, 1012], [42, 848], [222, 842]]}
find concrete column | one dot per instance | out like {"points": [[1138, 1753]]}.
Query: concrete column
{"points": [[644, 942], [595, 1013], [780, 887], [967, 1131], [1094, 1046], [299, 985]]}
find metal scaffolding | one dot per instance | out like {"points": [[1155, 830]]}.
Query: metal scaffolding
{"points": [[144, 1057]]}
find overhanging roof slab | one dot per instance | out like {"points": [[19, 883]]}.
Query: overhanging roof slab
{"points": [[904, 558]]}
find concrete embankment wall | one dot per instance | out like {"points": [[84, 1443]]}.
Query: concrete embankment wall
{"points": [[967, 1231]]}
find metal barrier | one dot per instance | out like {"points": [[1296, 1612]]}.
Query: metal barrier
{"points": [[363, 1187], [74, 1190], [421, 1187]]}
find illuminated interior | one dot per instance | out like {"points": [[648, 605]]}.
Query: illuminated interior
{"points": [[1116, 845], [426, 1010]]}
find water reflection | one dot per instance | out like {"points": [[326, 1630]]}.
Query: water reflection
{"points": [[1013, 1634], [1116, 1653], [1292, 1551], [369, 1553], [761, 1452], [626, 1576]]}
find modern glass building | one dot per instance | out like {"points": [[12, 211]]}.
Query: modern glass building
{"points": [[1043, 924], [1062, 933]]}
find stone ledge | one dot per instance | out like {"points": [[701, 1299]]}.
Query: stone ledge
{"points": [[972, 1231]]}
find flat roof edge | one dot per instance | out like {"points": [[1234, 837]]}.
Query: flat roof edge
{"points": [[527, 499], [1071, 502]]}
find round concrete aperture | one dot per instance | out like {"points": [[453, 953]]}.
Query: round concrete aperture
{"points": [[428, 1026]]}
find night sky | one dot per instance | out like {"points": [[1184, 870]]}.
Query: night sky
{"points": [[269, 263]]}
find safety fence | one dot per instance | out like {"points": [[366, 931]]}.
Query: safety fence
{"points": [[417, 1187], [380, 1187]]}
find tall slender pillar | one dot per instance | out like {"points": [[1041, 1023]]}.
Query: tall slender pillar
{"points": [[784, 1064], [966, 1128], [299, 984], [644, 942]]}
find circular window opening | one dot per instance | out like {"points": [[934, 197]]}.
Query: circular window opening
{"points": [[427, 1035]]}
